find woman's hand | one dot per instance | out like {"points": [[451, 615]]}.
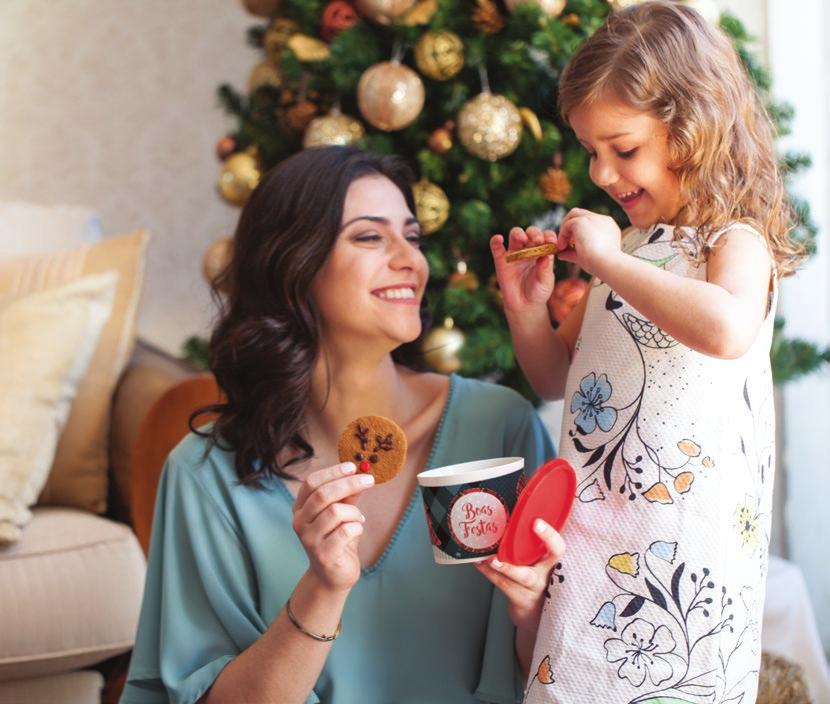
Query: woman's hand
{"points": [[526, 283], [588, 239], [329, 525], [525, 587]]}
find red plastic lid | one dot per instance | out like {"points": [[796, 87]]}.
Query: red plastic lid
{"points": [[549, 495]]}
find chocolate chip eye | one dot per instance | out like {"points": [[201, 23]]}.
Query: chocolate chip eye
{"points": [[358, 456], [373, 459]]}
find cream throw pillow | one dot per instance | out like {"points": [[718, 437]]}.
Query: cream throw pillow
{"points": [[79, 473], [47, 340]]}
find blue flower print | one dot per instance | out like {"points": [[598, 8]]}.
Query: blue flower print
{"points": [[593, 392], [606, 616]]}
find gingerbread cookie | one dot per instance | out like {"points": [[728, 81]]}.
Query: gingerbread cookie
{"points": [[375, 444], [540, 250]]}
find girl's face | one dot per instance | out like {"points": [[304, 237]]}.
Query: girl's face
{"points": [[630, 160], [372, 283]]}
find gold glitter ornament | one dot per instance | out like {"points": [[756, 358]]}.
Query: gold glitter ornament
{"points": [[441, 346], [708, 9], [555, 185], [439, 55], [332, 129], [432, 207], [384, 11], [240, 175], [487, 18], [462, 277], [276, 38], [550, 8], [390, 95], [489, 126], [264, 74]]}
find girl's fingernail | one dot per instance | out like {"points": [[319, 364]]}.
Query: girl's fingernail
{"points": [[495, 563], [367, 479], [348, 468], [362, 518], [354, 529], [539, 526]]}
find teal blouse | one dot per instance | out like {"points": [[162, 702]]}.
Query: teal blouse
{"points": [[224, 559]]}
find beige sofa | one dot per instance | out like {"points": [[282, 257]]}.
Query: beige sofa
{"points": [[70, 589]]}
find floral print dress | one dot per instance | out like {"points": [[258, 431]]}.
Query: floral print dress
{"points": [[660, 594]]}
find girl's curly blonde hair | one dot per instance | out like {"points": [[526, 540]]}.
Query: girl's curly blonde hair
{"points": [[664, 58]]}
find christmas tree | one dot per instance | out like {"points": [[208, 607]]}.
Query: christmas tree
{"points": [[466, 90]]}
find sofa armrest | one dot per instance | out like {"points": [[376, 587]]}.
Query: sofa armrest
{"points": [[150, 373]]}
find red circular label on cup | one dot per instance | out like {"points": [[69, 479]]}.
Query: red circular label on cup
{"points": [[477, 519]]}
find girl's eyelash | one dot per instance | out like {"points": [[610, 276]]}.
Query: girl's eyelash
{"points": [[628, 154]]}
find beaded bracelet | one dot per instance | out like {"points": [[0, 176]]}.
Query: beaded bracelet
{"points": [[301, 629]]}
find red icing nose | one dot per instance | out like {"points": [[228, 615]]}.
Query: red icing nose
{"points": [[365, 466]]}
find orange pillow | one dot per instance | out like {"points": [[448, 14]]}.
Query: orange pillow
{"points": [[79, 472]]}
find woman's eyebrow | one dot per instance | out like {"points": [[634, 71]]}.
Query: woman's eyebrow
{"points": [[376, 218]]}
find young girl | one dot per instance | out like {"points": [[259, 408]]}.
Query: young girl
{"points": [[664, 368]]}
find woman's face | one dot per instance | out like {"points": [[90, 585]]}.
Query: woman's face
{"points": [[370, 287]]}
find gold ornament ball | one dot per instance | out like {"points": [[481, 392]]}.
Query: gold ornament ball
{"points": [[384, 11], [551, 8], [489, 126], [264, 74], [216, 258], [332, 129], [390, 95], [431, 205], [240, 175], [708, 9], [439, 55], [441, 347]]}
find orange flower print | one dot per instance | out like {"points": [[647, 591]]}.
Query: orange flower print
{"points": [[658, 493], [683, 482], [544, 675]]}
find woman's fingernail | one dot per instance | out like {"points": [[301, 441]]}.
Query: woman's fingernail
{"points": [[354, 528], [348, 468], [362, 518], [539, 526], [495, 563], [367, 479]]}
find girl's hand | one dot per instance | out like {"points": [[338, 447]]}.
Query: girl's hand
{"points": [[588, 239], [525, 283], [329, 525], [525, 587]]}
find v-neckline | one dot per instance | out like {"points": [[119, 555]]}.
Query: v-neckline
{"points": [[436, 441]]}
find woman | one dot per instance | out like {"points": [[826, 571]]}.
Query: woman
{"points": [[256, 513]]}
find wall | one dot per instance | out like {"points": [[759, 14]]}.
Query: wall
{"points": [[111, 104]]}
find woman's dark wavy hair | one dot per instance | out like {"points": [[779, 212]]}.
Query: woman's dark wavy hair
{"points": [[267, 336]]}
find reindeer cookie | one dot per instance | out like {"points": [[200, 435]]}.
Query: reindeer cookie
{"points": [[375, 444]]}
